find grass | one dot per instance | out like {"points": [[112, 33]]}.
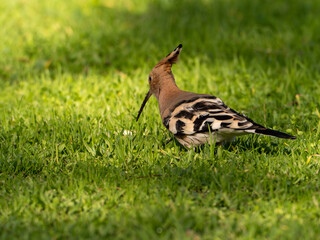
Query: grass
{"points": [[74, 164]]}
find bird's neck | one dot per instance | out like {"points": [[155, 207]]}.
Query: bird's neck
{"points": [[168, 91]]}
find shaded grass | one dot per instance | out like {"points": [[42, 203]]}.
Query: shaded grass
{"points": [[75, 164]]}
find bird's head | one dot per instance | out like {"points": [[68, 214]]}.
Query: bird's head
{"points": [[160, 75]]}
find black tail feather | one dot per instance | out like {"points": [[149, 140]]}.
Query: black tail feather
{"points": [[274, 133]]}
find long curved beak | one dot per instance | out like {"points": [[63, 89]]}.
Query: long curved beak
{"points": [[143, 104]]}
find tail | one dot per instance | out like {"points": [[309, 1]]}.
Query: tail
{"points": [[270, 132]]}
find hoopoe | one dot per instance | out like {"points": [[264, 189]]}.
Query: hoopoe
{"points": [[193, 118]]}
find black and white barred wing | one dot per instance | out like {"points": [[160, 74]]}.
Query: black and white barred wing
{"points": [[203, 115], [209, 113]]}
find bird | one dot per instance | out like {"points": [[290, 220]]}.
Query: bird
{"points": [[196, 119]]}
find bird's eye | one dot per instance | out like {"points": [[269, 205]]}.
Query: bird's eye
{"points": [[149, 79]]}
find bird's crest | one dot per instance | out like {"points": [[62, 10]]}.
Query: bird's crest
{"points": [[170, 59]]}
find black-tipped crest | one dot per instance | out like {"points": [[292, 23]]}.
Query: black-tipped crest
{"points": [[173, 57], [175, 50]]}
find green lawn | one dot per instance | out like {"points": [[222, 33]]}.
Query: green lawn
{"points": [[74, 163]]}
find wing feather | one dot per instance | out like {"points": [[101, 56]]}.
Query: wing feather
{"points": [[207, 114]]}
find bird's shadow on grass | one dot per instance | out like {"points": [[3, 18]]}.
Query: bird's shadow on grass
{"points": [[251, 144]]}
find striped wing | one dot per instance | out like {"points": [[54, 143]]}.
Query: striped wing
{"points": [[207, 113]]}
